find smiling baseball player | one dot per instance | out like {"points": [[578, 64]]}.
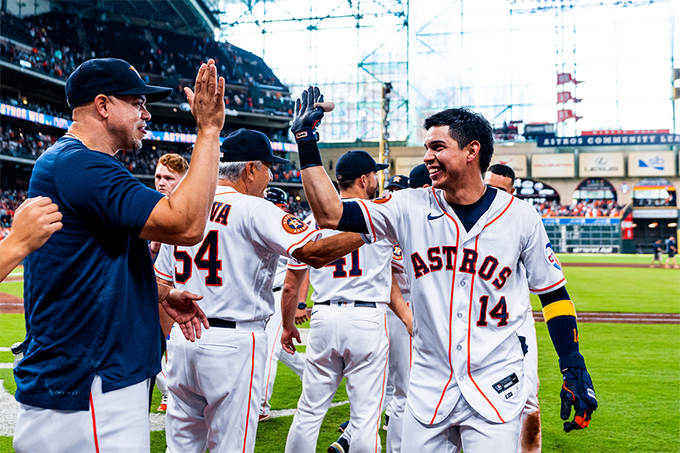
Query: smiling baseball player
{"points": [[502, 177], [216, 382], [464, 244]]}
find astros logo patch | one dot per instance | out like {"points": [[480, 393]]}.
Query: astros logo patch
{"points": [[550, 255], [292, 224], [383, 199], [133, 68], [397, 254]]}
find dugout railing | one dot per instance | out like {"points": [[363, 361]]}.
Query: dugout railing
{"points": [[584, 234]]}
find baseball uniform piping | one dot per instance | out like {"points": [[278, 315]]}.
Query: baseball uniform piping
{"points": [[168, 277], [250, 391], [453, 285], [387, 356], [370, 220], [469, 371], [94, 425], [549, 287], [499, 215], [301, 241], [269, 366]]}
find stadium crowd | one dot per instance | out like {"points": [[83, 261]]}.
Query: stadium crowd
{"points": [[50, 43], [588, 208]]}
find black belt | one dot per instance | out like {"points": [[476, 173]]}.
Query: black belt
{"points": [[357, 303], [217, 322], [278, 288]]}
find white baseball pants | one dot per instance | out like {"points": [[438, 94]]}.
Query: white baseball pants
{"points": [[398, 375], [464, 429], [344, 341], [216, 385], [117, 422], [295, 361]]}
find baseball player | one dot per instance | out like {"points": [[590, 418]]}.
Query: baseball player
{"points": [[91, 302], [34, 222], [502, 177], [216, 382], [400, 341], [463, 242], [170, 170], [348, 333], [274, 326], [671, 249]]}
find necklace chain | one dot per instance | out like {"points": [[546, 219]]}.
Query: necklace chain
{"points": [[69, 134]]}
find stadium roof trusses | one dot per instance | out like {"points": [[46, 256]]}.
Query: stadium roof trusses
{"points": [[187, 17]]}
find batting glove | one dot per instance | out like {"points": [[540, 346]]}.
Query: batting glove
{"points": [[577, 391], [306, 117]]}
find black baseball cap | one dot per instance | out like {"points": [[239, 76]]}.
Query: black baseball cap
{"points": [[419, 176], [397, 182], [355, 163], [109, 76], [245, 145]]}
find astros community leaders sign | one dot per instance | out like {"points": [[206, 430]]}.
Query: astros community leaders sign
{"points": [[609, 140]]}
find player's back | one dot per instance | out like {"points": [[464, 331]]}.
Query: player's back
{"points": [[362, 275], [233, 267]]}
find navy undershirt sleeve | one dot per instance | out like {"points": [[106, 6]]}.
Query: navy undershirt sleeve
{"points": [[352, 219], [563, 329]]}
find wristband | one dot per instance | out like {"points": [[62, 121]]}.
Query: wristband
{"points": [[302, 306], [308, 153]]}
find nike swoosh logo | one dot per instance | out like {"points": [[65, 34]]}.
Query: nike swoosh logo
{"points": [[431, 217]]}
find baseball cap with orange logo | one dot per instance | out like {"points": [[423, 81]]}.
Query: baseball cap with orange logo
{"points": [[109, 76]]}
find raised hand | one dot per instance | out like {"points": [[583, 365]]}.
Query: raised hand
{"points": [[207, 102], [306, 116]]}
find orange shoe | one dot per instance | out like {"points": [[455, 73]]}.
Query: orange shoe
{"points": [[164, 404]]}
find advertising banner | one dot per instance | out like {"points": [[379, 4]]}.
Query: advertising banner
{"points": [[600, 164], [552, 166], [658, 163], [609, 140], [518, 162]]}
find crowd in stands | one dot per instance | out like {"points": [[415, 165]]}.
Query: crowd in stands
{"points": [[28, 145], [50, 44], [16, 142], [9, 202], [588, 208]]}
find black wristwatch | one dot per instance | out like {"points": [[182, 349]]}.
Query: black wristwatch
{"points": [[302, 306]]}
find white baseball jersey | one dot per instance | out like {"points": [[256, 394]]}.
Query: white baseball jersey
{"points": [[346, 340], [399, 272], [364, 274], [233, 268], [468, 297]]}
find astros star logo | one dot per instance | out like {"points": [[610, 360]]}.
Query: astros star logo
{"points": [[292, 224]]}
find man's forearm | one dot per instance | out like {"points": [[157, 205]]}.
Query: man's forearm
{"points": [[319, 253], [194, 195], [11, 257], [322, 197], [289, 296]]}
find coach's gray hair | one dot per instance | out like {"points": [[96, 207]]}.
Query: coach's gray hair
{"points": [[231, 171]]}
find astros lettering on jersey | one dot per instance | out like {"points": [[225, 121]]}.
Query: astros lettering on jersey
{"points": [[468, 297]]}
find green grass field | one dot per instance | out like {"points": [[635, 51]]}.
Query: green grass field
{"points": [[635, 369]]}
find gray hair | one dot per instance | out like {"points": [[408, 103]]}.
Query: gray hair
{"points": [[231, 171]]}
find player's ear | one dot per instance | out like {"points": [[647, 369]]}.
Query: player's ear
{"points": [[101, 103], [473, 150]]}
